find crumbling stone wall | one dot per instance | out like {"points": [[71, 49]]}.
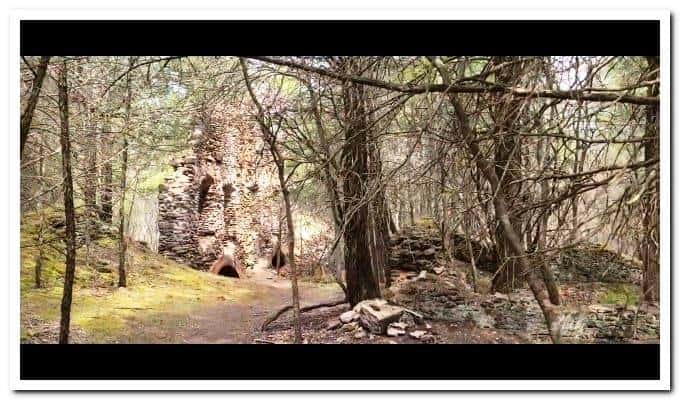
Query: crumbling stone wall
{"points": [[224, 191]]}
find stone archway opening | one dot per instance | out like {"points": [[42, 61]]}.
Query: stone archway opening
{"points": [[225, 266], [278, 258], [228, 271], [204, 187]]}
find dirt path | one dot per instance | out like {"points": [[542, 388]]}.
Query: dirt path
{"points": [[228, 318], [239, 322]]}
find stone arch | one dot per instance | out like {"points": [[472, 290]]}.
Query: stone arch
{"points": [[204, 187], [227, 190]]}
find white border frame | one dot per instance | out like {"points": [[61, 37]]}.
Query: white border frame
{"points": [[342, 13]]}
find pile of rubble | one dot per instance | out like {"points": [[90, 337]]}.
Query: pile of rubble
{"points": [[87, 229], [444, 298], [484, 255], [610, 323], [414, 250], [376, 317], [448, 298], [433, 300], [591, 263]]}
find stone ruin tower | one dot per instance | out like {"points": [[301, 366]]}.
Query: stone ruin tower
{"points": [[225, 191]]}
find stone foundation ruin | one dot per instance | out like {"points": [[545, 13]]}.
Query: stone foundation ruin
{"points": [[224, 193]]}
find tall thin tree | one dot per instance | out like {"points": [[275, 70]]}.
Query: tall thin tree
{"points": [[271, 139], [122, 243], [69, 211]]}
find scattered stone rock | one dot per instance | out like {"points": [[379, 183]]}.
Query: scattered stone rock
{"points": [[352, 326], [378, 302], [360, 333], [408, 320], [483, 320], [376, 316], [398, 325], [438, 270], [417, 317], [394, 332], [333, 324], [349, 316], [428, 338], [417, 334]]}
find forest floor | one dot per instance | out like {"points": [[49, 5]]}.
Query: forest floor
{"points": [[600, 294], [166, 302]]}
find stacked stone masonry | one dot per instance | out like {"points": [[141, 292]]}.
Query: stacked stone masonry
{"points": [[225, 191]]}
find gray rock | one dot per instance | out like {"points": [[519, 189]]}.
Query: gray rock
{"points": [[398, 325], [417, 334], [350, 326], [333, 324], [376, 317], [394, 332], [349, 316]]}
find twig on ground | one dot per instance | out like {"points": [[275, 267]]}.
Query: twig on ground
{"points": [[304, 309]]}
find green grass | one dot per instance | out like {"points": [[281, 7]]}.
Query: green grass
{"points": [[621, 294], [159, 290], [425, 223]]}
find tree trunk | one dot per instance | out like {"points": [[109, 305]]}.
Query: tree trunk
{"points": [[90, 187], [378, 217], [391, 221], [298, 336], [69, 211], [551, 314], [651, 230], [539, 242], [106, 194], [361, 282], [41, 209], [27, 114], [271, 139], [122, 243], [508, 162]]}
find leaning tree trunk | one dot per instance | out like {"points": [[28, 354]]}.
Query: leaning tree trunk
{"points": [[69, 211], [361, 282], [550, 311], [27, 114], [542, 223], [295, 295], [651, 230], [279, 160]]}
